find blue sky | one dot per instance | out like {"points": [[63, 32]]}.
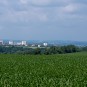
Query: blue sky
{"points": [[43, 19]]}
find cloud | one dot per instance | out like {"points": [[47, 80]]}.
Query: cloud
{"points": [[69, 8], [43, 16], [45, 2], [4, 2], [40, 10], [24, 1], [41, 2]]}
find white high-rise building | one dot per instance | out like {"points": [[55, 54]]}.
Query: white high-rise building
{"points": [[24, 43], [39, 45], [19, 43], [11, 43], [1, 42], [45, 44]]}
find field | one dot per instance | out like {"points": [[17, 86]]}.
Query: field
{"points": [[63, 70]]}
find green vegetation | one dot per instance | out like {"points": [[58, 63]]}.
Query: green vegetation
{"points": [[59, 70], [45, 50]]}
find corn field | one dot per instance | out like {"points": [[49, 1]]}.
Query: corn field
{"points": [[61, 70]]}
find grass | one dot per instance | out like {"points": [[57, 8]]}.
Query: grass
{"points": [[63, 70]]}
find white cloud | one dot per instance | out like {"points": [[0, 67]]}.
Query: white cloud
{"points": [[5, 2], [24, 1], [45, 2], [31, 14], [40, 2], [69, 8], [38, 13]]}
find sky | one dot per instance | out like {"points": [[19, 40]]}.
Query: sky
{"points": [[43, 20]]}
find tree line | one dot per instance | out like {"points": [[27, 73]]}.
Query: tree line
{"points": [[46, 51]]}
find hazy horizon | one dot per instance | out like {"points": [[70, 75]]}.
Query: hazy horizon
{"points": [[43, 20], [43, 40]]}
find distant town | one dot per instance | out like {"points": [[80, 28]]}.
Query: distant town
{"points": [[40, 44], [22, 43], [40, 47]]}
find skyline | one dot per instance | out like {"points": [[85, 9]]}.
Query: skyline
{"points": [[43, 20]]}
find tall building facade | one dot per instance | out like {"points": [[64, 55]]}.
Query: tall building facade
{"points": [[24, 43], [1, 42]]}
